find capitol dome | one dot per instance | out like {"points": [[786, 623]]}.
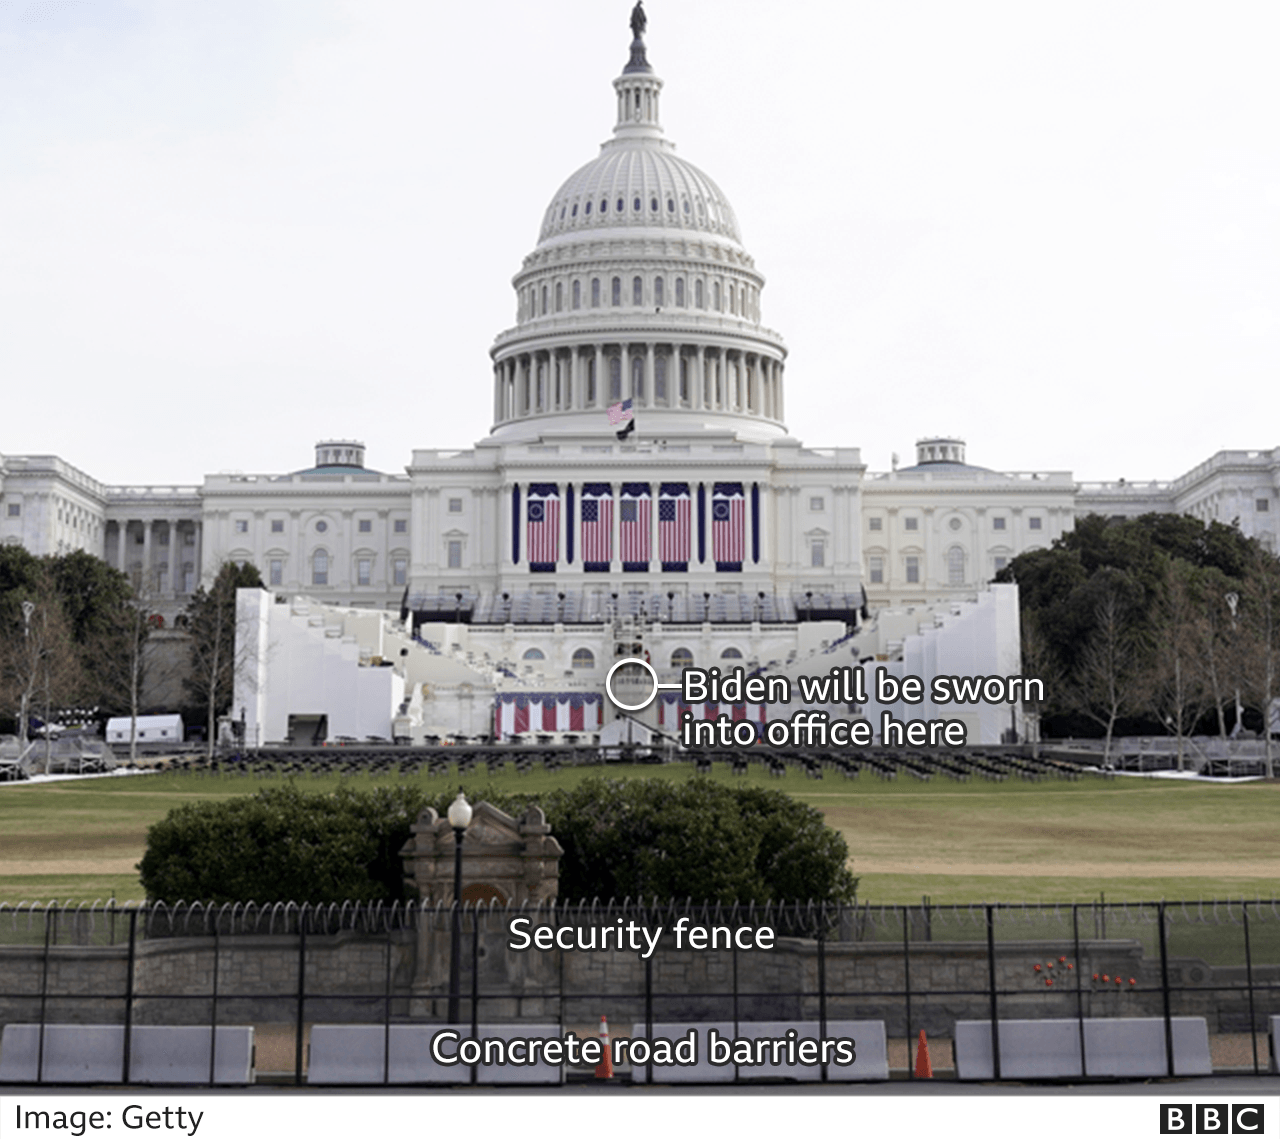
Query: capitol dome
{"points": [[639, 288], [639, 186]]}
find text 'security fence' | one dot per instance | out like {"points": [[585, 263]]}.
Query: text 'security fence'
{"points": [[209, 994]]}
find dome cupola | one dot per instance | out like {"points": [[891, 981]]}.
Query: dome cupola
{"points": [[639, 288]]}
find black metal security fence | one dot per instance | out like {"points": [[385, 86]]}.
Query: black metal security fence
{"points": [[285, 968]]}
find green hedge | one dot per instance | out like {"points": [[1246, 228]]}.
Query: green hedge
{"points": [[622, 838]]}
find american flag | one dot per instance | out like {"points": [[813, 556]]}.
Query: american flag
{"points": [[597, 522], [543, 513], [620, 413], [635, 521], [728, 508], [673, 522]]}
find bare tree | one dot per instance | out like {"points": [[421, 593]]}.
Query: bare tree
{"points": [[1177, 684], [1037, 661], [211, 624], [39, 664], [1108, 680], [1260, 626]]}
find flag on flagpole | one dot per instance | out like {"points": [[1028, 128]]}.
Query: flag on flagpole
{"points": [[620, 413]]}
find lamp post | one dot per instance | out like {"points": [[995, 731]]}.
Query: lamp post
{"points": [[459, 818], [28, 608], [1233, 603]]}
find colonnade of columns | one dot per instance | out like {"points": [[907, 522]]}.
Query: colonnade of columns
{"points": [[156, 555], [654, 375]]}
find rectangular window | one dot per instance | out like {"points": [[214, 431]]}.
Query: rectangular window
{"points": [[163, 538], [277, 526], [1001, 562], [15, 509], [400, 526], [455, 506], [817, 503], [242, 526], [189, 539], [997, 524], [1035, 523], [1263, 505], [365, 526], [911, 524], [913, 569], [277, 572], [875, 524], [877, 570], [817, 554], [364, 571], [399, 571], [455, 554]]}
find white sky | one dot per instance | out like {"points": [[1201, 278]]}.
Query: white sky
{"points": [[230, 229]]}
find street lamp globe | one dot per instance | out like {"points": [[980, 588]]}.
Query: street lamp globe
{"points": [[459, 813]]}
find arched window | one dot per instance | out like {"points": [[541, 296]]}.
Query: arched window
{"points": [[680, 292], [659, 292], [637, 377], [584, 659], [660, 379], [577, 294], [617, 291], [698, 300], [637, 291], [534, 655], [681, 658], [955, 566], [544, 300], [591, 382], [731, 654], [320, 568], [615, 378], [559, 296], [715, 294], [595, 292]]}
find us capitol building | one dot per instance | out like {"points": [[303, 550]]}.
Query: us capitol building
{"points": [[698, 515]]}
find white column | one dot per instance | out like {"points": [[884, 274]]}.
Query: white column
{"points": [[147, 582], [697, 379], [122, 533], [600, 396], [650, 395]]}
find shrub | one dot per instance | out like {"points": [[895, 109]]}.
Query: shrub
{"points": [[650, 839], [283, 845]]}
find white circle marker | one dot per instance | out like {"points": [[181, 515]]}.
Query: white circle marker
{"points": [[653, 676]]}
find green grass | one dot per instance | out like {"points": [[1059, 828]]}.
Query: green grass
{"points": [[1052, 841]]}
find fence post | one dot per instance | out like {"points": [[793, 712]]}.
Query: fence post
{"points": [[906, 971], [128, 996], [822, 983], [44, 991], [475, 982], [213, 1008], [991, 977], [386, 1014], [302, 993], [1248, 973], [1075, 932], [1164, 986]]}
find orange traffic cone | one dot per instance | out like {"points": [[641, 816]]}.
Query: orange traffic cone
{"points": [[923, 1068], [604, 1070]]}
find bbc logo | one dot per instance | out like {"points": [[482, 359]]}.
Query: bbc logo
{"points": [[1211, 1119]]}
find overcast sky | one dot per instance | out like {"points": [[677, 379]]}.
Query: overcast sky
{"points": [[230, 229]]}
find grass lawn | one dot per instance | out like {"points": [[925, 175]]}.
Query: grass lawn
{"points": [[1052, 841]]}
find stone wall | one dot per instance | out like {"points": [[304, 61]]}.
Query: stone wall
{"points": [[363, 977]]}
